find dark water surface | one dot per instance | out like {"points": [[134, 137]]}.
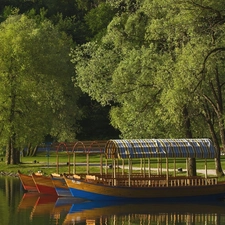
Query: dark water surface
{"points": [[19, 208]]}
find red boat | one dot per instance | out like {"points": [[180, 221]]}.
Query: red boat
{"points": [[44, 184], [27, 182]]}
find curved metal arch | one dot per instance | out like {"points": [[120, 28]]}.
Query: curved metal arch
{"points": [[163, 148]]}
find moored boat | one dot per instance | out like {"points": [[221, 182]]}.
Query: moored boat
{"points": [[27, 182], [104, 190], [44, 184], [125, 184], [60, 185]]}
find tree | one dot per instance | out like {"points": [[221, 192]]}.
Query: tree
{"points": [[160, 65], [110, 72], [198, 69], [98, 19], [35, 81]]}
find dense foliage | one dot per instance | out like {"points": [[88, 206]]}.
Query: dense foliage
{"points": [[160, 65], [151, 69], [160, 68], [38, 97], [36, 88]]}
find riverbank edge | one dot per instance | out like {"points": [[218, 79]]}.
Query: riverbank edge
{"points": [[9, 174]]}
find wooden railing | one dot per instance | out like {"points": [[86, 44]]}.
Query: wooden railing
{"points": [[153, 181]]}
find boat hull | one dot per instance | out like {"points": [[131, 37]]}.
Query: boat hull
{"points": [[27, 182], [94, 191], [44, 184], [61, 186]]}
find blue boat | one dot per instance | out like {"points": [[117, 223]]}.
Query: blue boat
{"points": [[120, 182], [60, 185]]}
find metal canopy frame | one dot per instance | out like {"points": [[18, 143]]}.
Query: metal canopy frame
{"points": [[160, 148]]}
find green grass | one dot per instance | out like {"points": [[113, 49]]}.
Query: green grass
{"points": [[48, 164]]}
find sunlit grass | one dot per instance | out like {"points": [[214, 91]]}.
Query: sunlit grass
{"points": [[47, 163]]}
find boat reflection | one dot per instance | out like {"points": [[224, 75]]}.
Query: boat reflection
{"points": [[28, 200], [146, 213], [39, 205], [70, 211], [44, 205]]}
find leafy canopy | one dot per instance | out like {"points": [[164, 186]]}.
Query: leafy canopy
{"points": [[35, 81]]}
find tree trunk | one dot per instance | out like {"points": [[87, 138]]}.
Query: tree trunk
{"points": [[187, 126], [12, 154], [31, 151], [209, 119], [35, 150], [219, 169], [218, 108], [8, 155]]}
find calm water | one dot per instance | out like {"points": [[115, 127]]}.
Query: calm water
{"points": [[17, 208]]}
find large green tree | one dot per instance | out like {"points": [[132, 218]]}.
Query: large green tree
{"points": [[160, 67], [82, 20], [35, 84]]}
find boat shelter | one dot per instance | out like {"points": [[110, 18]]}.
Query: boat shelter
{"points": [[164, 148], [161, 149]]}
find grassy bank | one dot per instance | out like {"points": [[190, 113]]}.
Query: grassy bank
{"points": [[48, 163]]}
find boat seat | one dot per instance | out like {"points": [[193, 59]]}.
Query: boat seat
{"points": [[75, 176]]}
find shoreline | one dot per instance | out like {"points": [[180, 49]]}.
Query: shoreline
{"points": [[8, 174]]}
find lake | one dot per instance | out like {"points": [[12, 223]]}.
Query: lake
{"points": [[19, 208]]}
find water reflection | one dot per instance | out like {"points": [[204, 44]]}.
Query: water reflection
{"points": [[147, 213], [43, 206], [20, 208], [69, 211]]}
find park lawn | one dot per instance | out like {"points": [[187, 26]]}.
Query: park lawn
{"points": [[47, 163]]}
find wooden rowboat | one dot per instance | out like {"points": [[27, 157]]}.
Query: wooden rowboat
{"points": [[101, 189], [60, 185], [44, 184], [124, 184], [27, 182]]}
